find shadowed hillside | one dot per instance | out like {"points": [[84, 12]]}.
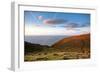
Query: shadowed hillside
{"points": [[30, 47]]}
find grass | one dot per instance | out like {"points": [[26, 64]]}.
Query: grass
{"points": [[52, 54]]}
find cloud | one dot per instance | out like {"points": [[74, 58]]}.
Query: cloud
{"points": [[72, 25], [75, 25], [34, 30], [54, 21], [40, 17], [85, 24]]}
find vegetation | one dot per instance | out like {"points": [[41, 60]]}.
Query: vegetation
{"points": [[76, 47]]}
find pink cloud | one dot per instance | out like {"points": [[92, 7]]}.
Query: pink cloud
{"points": [[54, 21], [40, 17]]}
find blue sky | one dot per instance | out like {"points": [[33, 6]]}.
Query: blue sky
{"points": [[55, 20]]}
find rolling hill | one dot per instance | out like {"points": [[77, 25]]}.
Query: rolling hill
{"points": [[74, 42]]}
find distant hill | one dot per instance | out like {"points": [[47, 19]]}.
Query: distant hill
{"points": [[78, 41], [30, 47]]}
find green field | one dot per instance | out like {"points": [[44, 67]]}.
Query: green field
{"points": [[52, 54]]}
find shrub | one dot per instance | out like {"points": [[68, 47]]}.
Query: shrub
{"points": [[44, 58], [65, 58], [55, 54]]}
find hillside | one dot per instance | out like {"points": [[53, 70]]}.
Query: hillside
{"points": [[74, 42], [30, 47], [75, 47]]}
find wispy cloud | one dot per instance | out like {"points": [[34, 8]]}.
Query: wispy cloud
{"points": [[40, 17], [72, 25], [55, 31]]}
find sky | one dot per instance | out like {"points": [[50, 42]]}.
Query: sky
{"points": [[56, 23]]}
